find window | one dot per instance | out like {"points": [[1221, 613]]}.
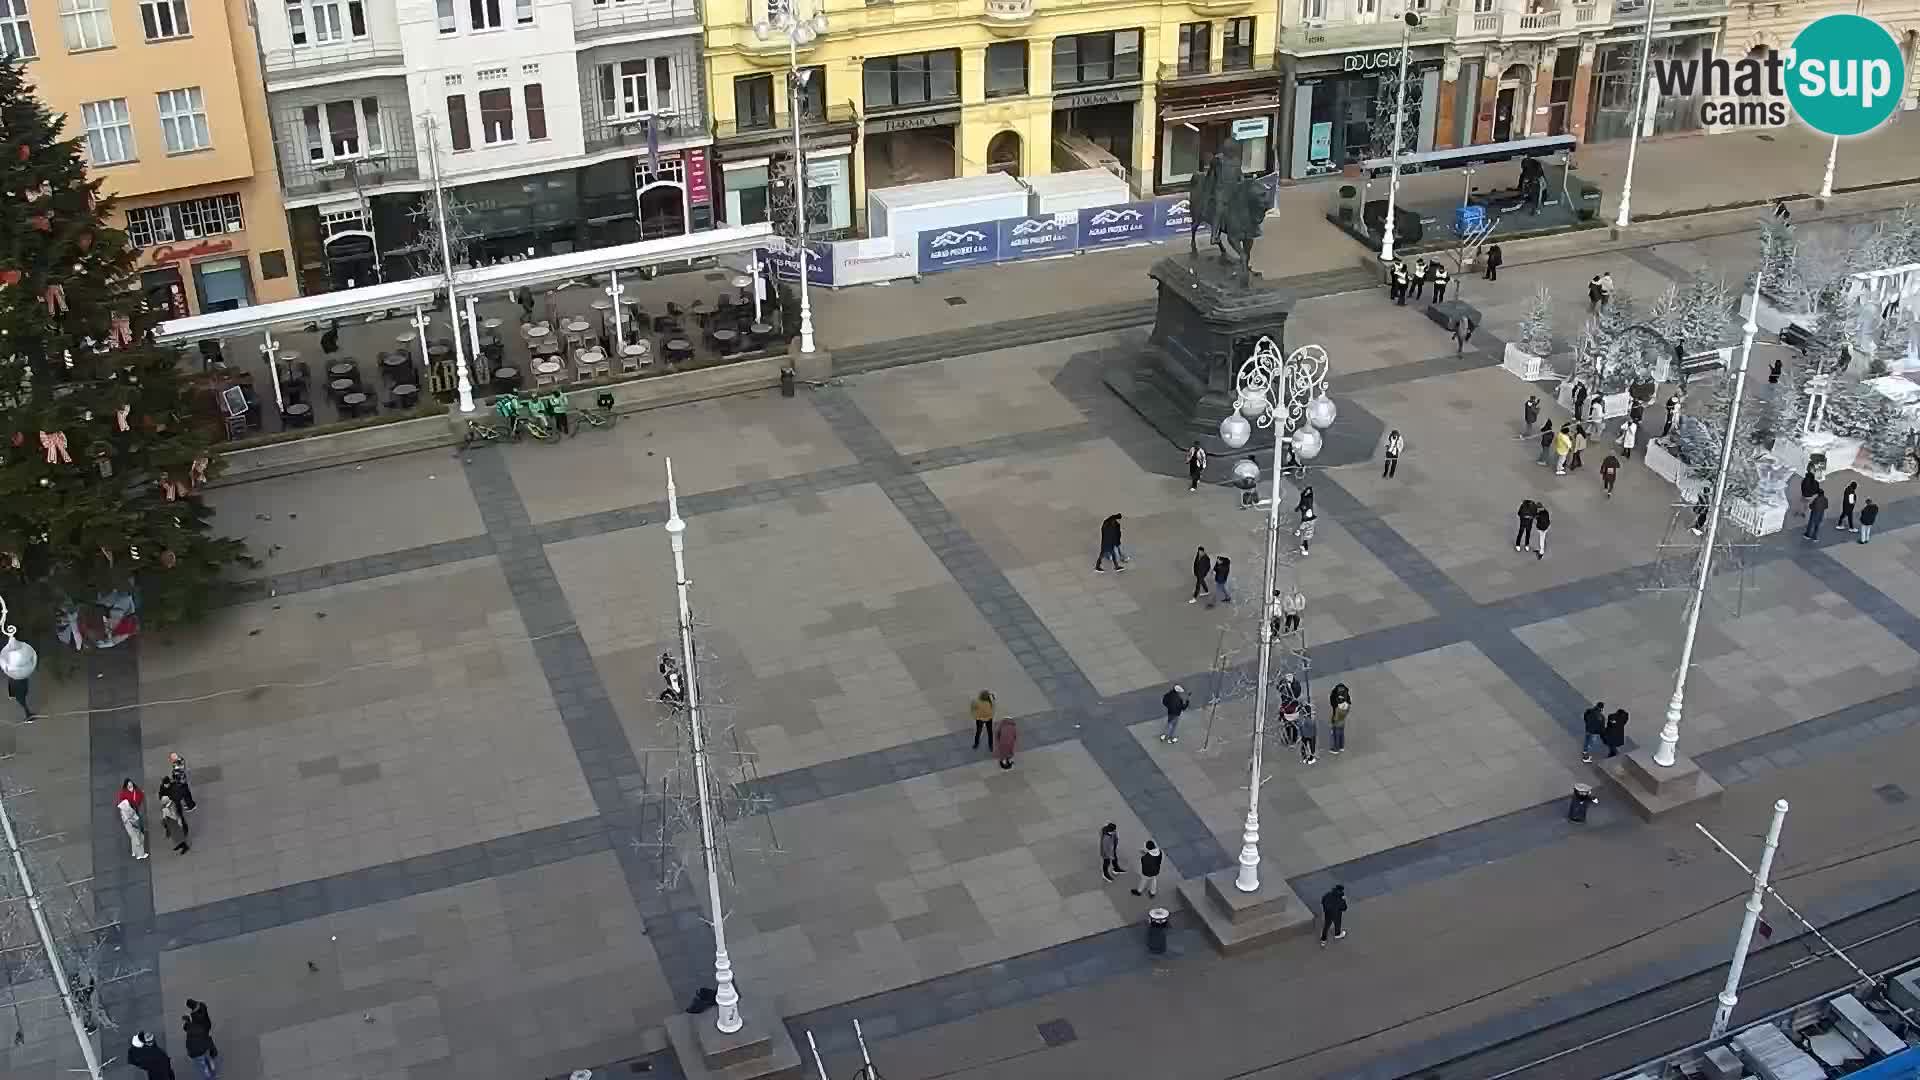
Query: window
{"points": [[486, 14], [183, 120], [163, 19], [536, 111], [205, 217], [1112, 56], [443, 11], [752, 101], [1316, 11], [324, 22], [109, 131], [1006, 68], [626, 89], [149, 225], [913, 79], [496, 116], [523, 12], [16, 31], [1196, 48], [813, 93], [86, 24], [340, 129], [1237, 47], [457, 133]]}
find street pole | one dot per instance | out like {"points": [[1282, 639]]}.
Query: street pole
{"points": [[726, 998], [446, 266], [800, 190], [1639, 110], [1730, 995], [1249, 878], [1670, 731], [1399, 118]]}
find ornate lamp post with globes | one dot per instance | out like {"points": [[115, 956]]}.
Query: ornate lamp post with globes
{"points": [[798, 31], [1290, 395]]}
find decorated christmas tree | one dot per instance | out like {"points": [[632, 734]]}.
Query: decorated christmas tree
{"points": [[101, 526], [1536, 324]]}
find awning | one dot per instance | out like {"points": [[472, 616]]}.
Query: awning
{"points": [[373, 299], [1484, 154]]}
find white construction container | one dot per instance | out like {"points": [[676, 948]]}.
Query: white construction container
{"points": [[906, 211], [1070, 192]]}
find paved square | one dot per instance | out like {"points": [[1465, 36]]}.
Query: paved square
{"points": [[965, 400], [349, 511], [357, 747]]}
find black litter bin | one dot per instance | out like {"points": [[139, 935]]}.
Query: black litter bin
{"points": [[1157, 920], [1582, 798], [786, 382]]}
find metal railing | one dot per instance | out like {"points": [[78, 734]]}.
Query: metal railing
{"points": [[606, 128], [595, 19], [301, 175], [1438, 26], [337, 56], [1217, 68], [839, 112]]}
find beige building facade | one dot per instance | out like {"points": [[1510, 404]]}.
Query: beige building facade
{"points": [[167, 100], [1756, 27]]}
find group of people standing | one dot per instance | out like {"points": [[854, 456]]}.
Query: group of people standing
{"points": [[145, 1053], [1854, 517], [1411, 279], [176, 802]]}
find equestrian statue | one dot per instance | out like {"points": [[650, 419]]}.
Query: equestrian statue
{"points": [[1232, 205]]}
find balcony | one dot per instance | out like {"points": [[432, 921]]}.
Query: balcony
{"points": [[838, 114], [347, 164], [339, 59], [1174, 71], [1008, 14], [606, 18], [1634, 10], [606, 129], [1313, 38]]}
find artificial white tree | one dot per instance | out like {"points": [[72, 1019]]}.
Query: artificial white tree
{"points": [[1535, 335]]}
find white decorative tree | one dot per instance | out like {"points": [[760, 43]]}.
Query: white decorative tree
{"points": [[1887, 441], [1536, 324], [1779, 273], [1610, 356]]}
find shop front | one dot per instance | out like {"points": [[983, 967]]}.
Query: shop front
{"points": [[197, 276], [749, 166], [1615, 62], [1098, 125], [1340, 107], [531, 215], [912, 148], [1195, 125], [352, 242]]}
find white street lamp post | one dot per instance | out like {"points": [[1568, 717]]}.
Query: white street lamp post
{"points": [[18, 662], [1290, 395], [446, 264], [798, 32], [726, 997], [473, 332], [615, 291], [1639, 111], [1670, 731], [1399, 119], [1730, 994]]}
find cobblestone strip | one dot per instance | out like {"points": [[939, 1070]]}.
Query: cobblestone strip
{"points": [[349, 571], [122, 888]]}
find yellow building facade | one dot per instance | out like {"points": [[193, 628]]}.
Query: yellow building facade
{"points": [[917, 91], [166, 97]]}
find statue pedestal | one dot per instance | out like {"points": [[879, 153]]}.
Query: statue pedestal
{"points": [[1204, 328]]}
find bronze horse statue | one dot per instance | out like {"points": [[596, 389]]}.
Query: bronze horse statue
{"points": [[1232, 205]]}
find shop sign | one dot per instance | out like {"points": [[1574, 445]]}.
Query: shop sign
{"points": [[1033, 237], [1252, 127], [170, 253], [1370, 61], [819, 263], [699, 184], [1173, 217], [1096, 97], [1121, 223], [959, 245], [826, 172], [915, 122]]}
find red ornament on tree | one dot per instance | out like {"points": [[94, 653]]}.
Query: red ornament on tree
{"points": [[43, 223], [9, 277], [25, 151]]}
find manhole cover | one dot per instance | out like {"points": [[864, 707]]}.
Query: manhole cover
{"points": [[1892, 794], [1058, 1033], [956, 301]]}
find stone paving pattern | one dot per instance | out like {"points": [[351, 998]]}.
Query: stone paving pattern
{"points": [[464, 796]]}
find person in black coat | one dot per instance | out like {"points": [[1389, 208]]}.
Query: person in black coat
{"points": [[1202, 568], [1595, 723], [1493, 264], [1816, 513], [1333, 910], [1109, 545], [1528, 508], [1221, 567], [1869, 514], [199, 1046], [1773, 373], [1848, 498], [1542, 521], [1615, 733], [1809, 487], [145, 1054]]}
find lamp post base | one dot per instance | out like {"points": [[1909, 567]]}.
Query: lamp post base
{"points": [[1653, 789], [761, 1049], [1238, 920]]}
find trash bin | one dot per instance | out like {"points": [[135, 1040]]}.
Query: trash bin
{"points": [[1157, 920], [1582, 798], [786, 382]]}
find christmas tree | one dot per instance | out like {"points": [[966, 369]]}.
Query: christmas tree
{"points": [[1609, 356], [1701, 448], [1885, 442], [1536, 325], [99, 516], [1779, 277]]}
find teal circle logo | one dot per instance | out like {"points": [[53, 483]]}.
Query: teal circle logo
{"points": [[1845, 75]]}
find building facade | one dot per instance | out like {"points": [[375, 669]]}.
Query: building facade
{"points": [[1754, 28], [166, 99], [556, 124]]}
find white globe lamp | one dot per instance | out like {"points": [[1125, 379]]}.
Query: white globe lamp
{"points": [[18, 660], [1235, 431], [1306, 444], [1321, 411]]}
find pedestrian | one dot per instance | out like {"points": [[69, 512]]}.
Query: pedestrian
{"points": [[1109, 545], [1597, 412], [1309, 737], [1420, 276], [1291, 690], [1579, 447], [1546, 442], [1305, 504], [1701, 507], [1110, 851], [1221, 567], [1494, 259], [1463, 328], [1609, 472], [1305, 531], [1673, 413], [1292, 606], [1196, 464], [197, 1014], [1202, 567], [1606, 287], [1005, 741], [182, 782], [1848, 497], [1339, 702], [1333, 910], [1542, 521], [1531, 412], [200, 1048], [1869, 514], [1528, 508], [330, 340], [1637, 411], [1594, 720], [1780, 211], [1437, 273], [1149, 871], [174, 825], [1629, 434], [1816, 513], [136, 836], [1615, 733], [983, 719], [1246, 477], [1175, 701], [1773, 372], [1809, 487], [1394, 445], [1562, 449], [145, 1054], [1398, 282], [1579, 399], [557, 405], [1594, 294]]}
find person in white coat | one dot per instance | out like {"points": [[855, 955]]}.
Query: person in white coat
{"points": [[1629, 434], [136, 839]]}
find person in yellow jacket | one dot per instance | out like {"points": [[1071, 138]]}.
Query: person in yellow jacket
{"points": [[1562, 449]]}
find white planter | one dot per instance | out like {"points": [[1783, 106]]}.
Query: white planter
{"points": [[1665, 466], [1524, 365], [1773, 320], [1760, 519], [1612, 406]]}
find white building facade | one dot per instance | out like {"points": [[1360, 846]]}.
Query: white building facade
{"points": [[557, 125]]}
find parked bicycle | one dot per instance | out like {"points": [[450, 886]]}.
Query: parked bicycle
{"points": [[601, 415]]}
